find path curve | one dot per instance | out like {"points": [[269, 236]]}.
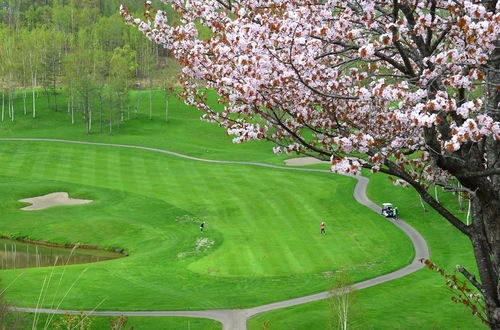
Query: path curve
{"points": [[236, 319]]}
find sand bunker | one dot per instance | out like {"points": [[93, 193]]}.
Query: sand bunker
{"points": [[53, 199], [304, 161]]}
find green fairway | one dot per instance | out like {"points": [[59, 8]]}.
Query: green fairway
{"points": [[262, 241], [419, 300], [264, 225]]}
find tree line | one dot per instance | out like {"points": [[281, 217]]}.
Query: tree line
{"points": [[81, 49]]}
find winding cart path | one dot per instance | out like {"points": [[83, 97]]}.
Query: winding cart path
{"points": [[236, 319]]}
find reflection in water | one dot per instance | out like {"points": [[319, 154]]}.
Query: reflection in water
{"points": [[15, 254]]}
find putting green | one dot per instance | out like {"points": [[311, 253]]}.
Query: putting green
{"points": [[262, 241]]}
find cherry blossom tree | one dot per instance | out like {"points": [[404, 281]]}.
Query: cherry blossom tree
{"points": [[408, 88]]}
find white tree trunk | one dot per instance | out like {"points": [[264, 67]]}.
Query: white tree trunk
{"points": [[460, 199], [468, 212], [422, 203], [343, 308], [341, 299], [11, 106], [34, 98], [3, 105], [24, 100], [9, 109], [150, 105], [166, 110], [436, 193]]}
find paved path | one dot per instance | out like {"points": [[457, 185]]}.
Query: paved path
{"points": [[235, 319]]}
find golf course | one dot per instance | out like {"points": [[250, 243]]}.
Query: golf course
{"points": [[153, 182]]}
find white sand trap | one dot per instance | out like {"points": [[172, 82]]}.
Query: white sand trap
{"points": [[53, 199], [305, 161]]}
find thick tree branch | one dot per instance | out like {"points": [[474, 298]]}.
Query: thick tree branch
{"points": [[471, 278], [477, 174], [457, 223]]}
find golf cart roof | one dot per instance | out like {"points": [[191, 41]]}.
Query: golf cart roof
{"points": [[387, 205]]}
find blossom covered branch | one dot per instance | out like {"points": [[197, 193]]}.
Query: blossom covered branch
{"points": [[409, 88]]}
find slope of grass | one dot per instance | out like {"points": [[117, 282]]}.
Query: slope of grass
{"points": [[184, 132], [142, 200], [264, 225], [419, 300]]}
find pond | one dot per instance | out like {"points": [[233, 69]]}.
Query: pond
{"points": [[17, 254]]}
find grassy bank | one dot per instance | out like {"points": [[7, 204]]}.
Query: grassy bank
{"points": [[262, 242], [419, 300]]}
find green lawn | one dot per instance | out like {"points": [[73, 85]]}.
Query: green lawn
{"points": [[137, 322], [264, 224], [184, 132], [263, 241], [419, 300]]}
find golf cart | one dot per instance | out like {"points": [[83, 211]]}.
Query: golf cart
{"points": [[389, 211]]}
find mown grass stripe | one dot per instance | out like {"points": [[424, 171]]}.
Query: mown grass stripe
{"points": [[270, 233]]}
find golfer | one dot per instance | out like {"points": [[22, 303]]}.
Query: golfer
{"points": [[322, 228], [202, 226]]}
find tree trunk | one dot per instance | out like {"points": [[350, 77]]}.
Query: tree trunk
{"points": [[460, 198], [422, 203], [100, 113], [110, 115], [468, 213], [8, 104], [486, 209], [485, 240], [34, 99], [86, 112], [166, 108], [150, 106], [3, 105], [24, 100], [55, 98], [137, 107], [90, 119], [48, 97], [11, 107], [119, 115]]}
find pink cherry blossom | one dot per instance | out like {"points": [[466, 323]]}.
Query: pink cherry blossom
{"points": [[403, 87]]}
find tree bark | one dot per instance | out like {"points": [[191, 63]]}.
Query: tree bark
{"points": [[485, 240]]}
